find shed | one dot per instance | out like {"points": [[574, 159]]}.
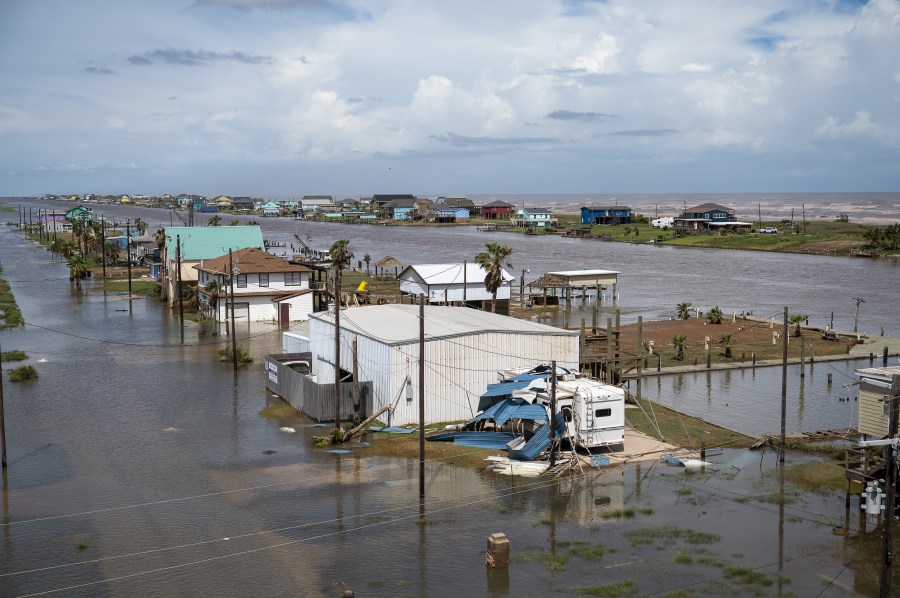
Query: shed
{"points": [[464, 350], [585, 278], [449, 282], [874, 391]]}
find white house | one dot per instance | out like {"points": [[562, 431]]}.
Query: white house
{"points": [[464, 350], [444, 283], [266, 287]]}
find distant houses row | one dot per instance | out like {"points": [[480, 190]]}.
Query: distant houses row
{"points": [[705, 218]]}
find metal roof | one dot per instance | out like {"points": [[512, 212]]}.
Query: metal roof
{"points": [[569, 273], [210, 242], [397, 324], [438, 274]]}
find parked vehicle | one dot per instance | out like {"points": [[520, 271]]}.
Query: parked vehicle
{"points": [[767, 230]]}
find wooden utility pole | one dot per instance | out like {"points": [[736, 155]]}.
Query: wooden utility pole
{"points": [[891, 498], [421, 396], [856, 318], [2, 420], [178, 279], [127, 255], [784, 354], [233, 329], [337, 350], [553, 414], [356, 405], [640, 351], [103, 248]]}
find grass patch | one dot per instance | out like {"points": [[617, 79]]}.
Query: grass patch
{"points": [[12, 316], [683, 558], [14, 355], [747, 576], [683, 430], [23, 372], [627, 513], [553, 562], [280, 411], [587, 552], [648, 510], [648, 535], [683, 491], [817, 476], [617, 589]]}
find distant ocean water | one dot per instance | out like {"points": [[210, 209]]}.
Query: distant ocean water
{"points": [[869, 208]]}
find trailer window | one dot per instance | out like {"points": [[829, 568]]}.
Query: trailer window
{"points": [[603, 412], [567, 414]]}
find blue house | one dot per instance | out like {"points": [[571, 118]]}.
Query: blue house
{"points": [[450, 214], [709, 217], [400, 209], [606, 215]]}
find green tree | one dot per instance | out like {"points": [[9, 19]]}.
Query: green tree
{"points": [[492, 262], [140, 225], [678, 343], [683, 310], [213, 290], [796, 320], [233, 223], [78, 268], [214, 220], [714, 316]]}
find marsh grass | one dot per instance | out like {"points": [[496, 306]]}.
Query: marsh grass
{"points": [[23, 372], [616, 589], [14, 355], [587, 552], [280, 411]]}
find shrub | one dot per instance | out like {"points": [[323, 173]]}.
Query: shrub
{"points": [[23, 372], [243, 356], [14, 355]]}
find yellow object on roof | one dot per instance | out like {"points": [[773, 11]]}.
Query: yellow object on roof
{"points": [[362, 286]]}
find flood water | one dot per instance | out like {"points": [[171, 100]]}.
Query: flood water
{"points": [[139, 466], [749, 400]]}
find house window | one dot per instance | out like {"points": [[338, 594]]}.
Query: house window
{"points": [[603, 412], [263, 280], [293, 279], [886, 409], [242, 281]]}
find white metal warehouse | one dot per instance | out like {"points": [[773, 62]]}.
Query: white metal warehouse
{"points": [[464, 349]]}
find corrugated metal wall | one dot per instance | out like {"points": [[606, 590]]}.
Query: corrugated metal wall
{"points": [[457, 370]]}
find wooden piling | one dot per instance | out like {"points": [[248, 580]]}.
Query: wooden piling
{"points": [[497, 555]]}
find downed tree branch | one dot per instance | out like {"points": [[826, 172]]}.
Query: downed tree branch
{"points": [[368, 420]]}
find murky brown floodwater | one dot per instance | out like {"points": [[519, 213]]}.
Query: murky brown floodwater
{"points": [[139, 466]]}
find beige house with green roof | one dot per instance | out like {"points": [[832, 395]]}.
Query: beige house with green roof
{"points": [[199, 244]]}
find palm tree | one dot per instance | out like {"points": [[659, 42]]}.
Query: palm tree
{"points": [[684, 311], [341, 254], [727, 341], [193, 297], [233, 223], [796, 320], [678, 342], [214, 220], [67, 249], [78, 268], [160, 237], [714, 316], [492, 262], [213, 289], [367, 258], [140, 225]]}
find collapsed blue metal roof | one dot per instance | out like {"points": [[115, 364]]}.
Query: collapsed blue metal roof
{"points": [[508, 409], [524, 377], [487, 440], [501, 389]]}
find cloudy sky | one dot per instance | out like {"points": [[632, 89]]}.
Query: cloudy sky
{"points": [[292, 97]]}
